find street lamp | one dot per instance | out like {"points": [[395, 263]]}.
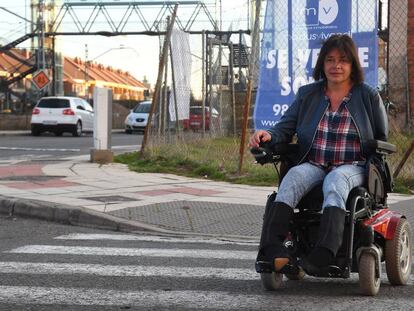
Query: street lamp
{"points": [[88, 61]]}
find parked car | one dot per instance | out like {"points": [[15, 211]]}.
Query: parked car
{"points": [[62, 114], [195, 121], [137, 119]]}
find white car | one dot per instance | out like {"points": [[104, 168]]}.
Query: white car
{"points": [[137, 119], [62, 114]]}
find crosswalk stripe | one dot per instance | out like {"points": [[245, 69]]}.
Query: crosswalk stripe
{"points": [[149, 252], [130, 270], [39, 149], [129, 237], [146, 298]]}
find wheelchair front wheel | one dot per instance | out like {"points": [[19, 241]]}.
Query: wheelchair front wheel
{"points": [[296, 276], [271, 281], [369, 282], [398, 254]]}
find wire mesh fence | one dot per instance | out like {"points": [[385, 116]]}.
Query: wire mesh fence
{"points": [[209, 118], [221, 66], [206, 76], [393, 79]]}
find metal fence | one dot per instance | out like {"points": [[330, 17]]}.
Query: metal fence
{"points": [[393, 79], [211, 118], [222, 80], [219, 66]]}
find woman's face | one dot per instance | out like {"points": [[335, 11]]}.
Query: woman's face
{"points": [[337, 67]]}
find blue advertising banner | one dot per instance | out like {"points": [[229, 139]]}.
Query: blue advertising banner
{"points": [[293, 34]]}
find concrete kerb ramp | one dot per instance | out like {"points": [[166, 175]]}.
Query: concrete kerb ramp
{"points": [[80, 216]]}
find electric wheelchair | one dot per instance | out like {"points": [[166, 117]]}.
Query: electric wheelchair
{"points": [[373, 233]]}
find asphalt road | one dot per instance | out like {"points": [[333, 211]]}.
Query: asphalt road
{"points": [[46, 266], [48, 146]]}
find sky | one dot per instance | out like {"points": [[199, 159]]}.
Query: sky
{"points": [[139, 54]]}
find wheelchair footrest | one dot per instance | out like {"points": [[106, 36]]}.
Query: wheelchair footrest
{"points": [[329, 272], [264, 267], [267, 267]]}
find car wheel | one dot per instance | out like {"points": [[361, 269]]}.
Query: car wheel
{"points": [[78, 130], [35, 131], [398, 254], [128, 131]]}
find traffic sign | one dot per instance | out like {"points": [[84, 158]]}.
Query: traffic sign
{"points": [[41, 80]]}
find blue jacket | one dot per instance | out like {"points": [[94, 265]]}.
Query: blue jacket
{"points": [[303, 116]]}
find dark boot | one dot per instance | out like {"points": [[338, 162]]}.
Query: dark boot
{"points": [[275, 228], [330, 236]]}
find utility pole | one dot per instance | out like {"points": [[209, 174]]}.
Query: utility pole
{"points": [[86, 73], [41, 35]]}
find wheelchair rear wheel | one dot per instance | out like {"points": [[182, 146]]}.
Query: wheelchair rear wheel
{"points": [[271, 281], [398, 254], [369, 281]]}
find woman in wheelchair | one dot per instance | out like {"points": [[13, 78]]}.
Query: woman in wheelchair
{"points": [[332, 118]]}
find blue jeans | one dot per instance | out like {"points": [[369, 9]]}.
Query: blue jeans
{"points": [[337, 183]]}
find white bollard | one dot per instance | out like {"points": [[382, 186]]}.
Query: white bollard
{"points": [[102, 126]]}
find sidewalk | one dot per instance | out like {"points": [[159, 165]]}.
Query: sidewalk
{"points": [[109, 196]]}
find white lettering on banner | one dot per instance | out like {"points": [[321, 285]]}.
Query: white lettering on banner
{"points": [[271, 59], [279, 58], [280, 109], [269, 123], [303, 57], [315, 55], [309, 11], [288, 86], [363, 57]]}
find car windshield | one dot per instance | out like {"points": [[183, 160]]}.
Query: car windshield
{"points": [[53, 103], [196, 110], [143, 108]]}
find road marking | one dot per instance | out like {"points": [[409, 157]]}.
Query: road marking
{"points": [[144, 252], [134, 271], [176, 299], [130, 237], [39, 149]]}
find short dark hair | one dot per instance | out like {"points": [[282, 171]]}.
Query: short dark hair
{"points": [[345, 45]]}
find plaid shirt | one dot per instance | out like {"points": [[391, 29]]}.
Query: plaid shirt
{"points": [[337, 140]]}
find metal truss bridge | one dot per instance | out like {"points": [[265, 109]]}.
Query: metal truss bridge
{"points": [[129, 17]]}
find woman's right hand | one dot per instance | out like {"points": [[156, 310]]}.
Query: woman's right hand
{"points": [[258, 137]]}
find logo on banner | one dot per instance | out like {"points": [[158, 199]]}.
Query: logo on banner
{"points": [[319, 12]]}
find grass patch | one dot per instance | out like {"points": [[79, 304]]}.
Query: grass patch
{"points": [[215, 159], [218, 158]]}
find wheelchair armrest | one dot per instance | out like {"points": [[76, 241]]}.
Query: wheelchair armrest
{"points": [[285, 149], [267, 153], [379, 146]]}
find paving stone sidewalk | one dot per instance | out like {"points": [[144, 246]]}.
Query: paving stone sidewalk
{"points": [[112, 196]]}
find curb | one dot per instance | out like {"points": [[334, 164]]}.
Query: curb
{"points": [[12, 133], [64, 214], [28, 132], [80, 216]]}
